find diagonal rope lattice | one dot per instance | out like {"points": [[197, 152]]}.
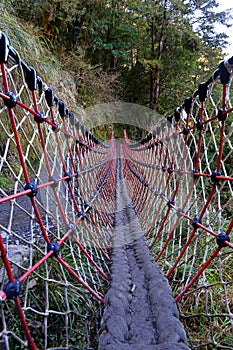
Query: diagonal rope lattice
{"points": [[59, 217]]}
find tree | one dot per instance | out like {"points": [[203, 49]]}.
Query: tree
{"points": [[154, 46], [203, 16], [170, 49]]}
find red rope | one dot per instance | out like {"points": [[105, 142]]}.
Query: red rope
{"points": [[149, 169]]}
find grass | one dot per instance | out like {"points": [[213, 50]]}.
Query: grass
{"points": [[5, 182], [204, 310], [205, 307], [73, 315], [23, 38]]}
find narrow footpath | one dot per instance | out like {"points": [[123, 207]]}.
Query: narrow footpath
{"points": [[140, 313]]}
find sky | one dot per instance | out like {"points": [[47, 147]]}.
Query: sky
{"points": [[223, 5]]}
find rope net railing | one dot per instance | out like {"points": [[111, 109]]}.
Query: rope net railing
{"points": [[56, 179], [58, 184], [180, 179]]}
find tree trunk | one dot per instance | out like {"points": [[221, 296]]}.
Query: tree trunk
{"points": [[152, 70], [155, 70]]}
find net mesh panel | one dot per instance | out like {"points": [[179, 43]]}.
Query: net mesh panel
{"points": [[61, 300], [180, 180], [186, 189]]}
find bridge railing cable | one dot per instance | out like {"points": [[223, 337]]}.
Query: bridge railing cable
{"points": [[184, 168], [54, 251]]}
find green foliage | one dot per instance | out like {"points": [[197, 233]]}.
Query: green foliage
{"points": [[70, 308], [5, 182], [153, 49], [133, 132], [207, 16]]}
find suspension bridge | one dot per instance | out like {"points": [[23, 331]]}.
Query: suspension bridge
{"points": [[115, 244]]}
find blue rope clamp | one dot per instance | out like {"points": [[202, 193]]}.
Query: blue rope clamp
{"points": [[54, 247], [170, 170], [154, 133], [196, 221], [87, 207], [82, 129], [4, 47], [67, 135], [142, 142], [55, 181], [202, 91], [55, 127], [72, 118], [87, 134], [199, 124], [223, 73], [62, 108], [177, 115], [31, 78], [49, 97], [214, 175], [33, 187], [55, 98], [180, 172], [40, 118], [170, 202], [81, 214], [71, 227], [12, 102], [149, 137], [188, 104], [179, 212], [222, 117], [170, 118], [68, 175], [97, 141], [39, 85], [185, 131], [195, 172], [221, 238], [15, 55], [12, 289], [77, 124]]}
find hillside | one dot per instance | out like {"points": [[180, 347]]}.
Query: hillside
{"points": [[57, 73], [103, 51]]}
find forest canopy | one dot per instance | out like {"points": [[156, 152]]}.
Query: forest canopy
{"points": [[147, 52]]}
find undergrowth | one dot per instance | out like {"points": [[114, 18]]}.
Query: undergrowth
{"points": [[57, 308]]}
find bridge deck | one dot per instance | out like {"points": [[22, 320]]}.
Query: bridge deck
{"points": [[139, 309]]}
